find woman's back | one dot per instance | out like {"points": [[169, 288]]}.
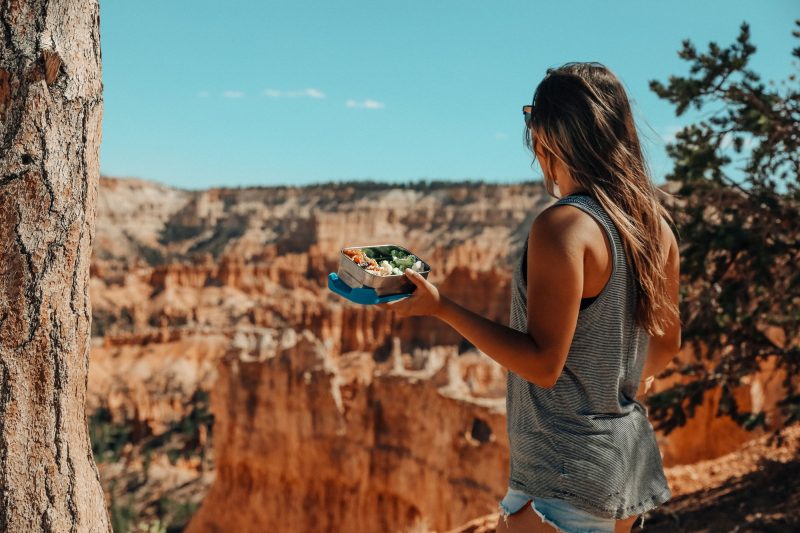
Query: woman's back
{"points": [[587, 439]]}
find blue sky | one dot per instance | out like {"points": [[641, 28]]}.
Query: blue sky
{"points": [[200, 94]]}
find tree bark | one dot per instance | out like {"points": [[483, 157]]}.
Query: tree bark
{"points": [[50, 128]]}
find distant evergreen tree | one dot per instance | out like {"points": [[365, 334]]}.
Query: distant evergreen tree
{"points": [[737, 212]]}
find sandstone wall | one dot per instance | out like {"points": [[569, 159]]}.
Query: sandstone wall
{"points": [[325, 412], [309, 442]]}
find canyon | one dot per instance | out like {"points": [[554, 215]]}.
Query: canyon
{"points": [[230, 390]]}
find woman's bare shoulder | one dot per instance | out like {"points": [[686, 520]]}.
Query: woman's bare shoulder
{"points": [[669, 243], [556, 232], [559, 222], [555, 214]]}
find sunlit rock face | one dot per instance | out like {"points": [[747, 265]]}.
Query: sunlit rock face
{"points": [[185, 282], [344, 444], [326, 415]]}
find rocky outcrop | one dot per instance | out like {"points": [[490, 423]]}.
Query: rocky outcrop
{"points": [[181, 279], [709, 432], [310, 442], [318, 404]]}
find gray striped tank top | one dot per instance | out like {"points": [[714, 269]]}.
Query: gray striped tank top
{"points": [[587, 439]]}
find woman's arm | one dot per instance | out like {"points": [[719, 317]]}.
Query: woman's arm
{"points": [[514, 350], [555, 283]]}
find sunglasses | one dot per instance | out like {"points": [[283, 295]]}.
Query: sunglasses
{"points": [[527, 110]]}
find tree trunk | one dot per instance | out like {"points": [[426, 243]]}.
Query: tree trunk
{"points": [[50, 113]]}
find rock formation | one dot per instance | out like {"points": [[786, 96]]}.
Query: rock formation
{"points": [[327, 415], [309, 441]]}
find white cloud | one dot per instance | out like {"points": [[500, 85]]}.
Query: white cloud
{"points": [[310, 93], [300, 93], [315, 93], [203, 94], [233, 94], [365, 104], [500, 136]]}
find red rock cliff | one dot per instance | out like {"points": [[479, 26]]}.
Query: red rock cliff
{"points": [[326, 414]]}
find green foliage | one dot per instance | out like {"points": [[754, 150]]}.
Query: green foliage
{"points": [[122, 516], [738, 215], [153, 527], [186, 431], [183, 438], [107, 437], [371, 185], [176, 514], [173, 516]]}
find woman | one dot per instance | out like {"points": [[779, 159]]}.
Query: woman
{"points": [[594, 309]]}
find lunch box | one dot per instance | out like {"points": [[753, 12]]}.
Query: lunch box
{"points": [[360, 286]]}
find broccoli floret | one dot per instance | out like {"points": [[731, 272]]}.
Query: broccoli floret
{"points": [[405, 262]]}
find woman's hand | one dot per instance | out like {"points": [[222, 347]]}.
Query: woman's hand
{"points": [[425, 299]]}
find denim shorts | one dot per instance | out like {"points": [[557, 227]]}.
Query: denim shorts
{"points": [[560, 514]]}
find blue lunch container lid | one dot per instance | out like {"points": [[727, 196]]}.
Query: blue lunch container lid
{"points": [[360, 295]]}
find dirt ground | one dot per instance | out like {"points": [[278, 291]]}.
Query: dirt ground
{"points": [[763, 498]]}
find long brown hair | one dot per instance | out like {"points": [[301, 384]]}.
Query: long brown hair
{"points": [[582, 116]]}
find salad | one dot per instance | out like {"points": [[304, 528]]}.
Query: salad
{"points": [[370, 260]]}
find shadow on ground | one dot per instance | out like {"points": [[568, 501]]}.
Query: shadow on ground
{"points": [[766, 500]]}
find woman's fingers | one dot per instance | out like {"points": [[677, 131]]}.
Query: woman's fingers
{"points": [[392, 306], [410, 305], [415, 277]]}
